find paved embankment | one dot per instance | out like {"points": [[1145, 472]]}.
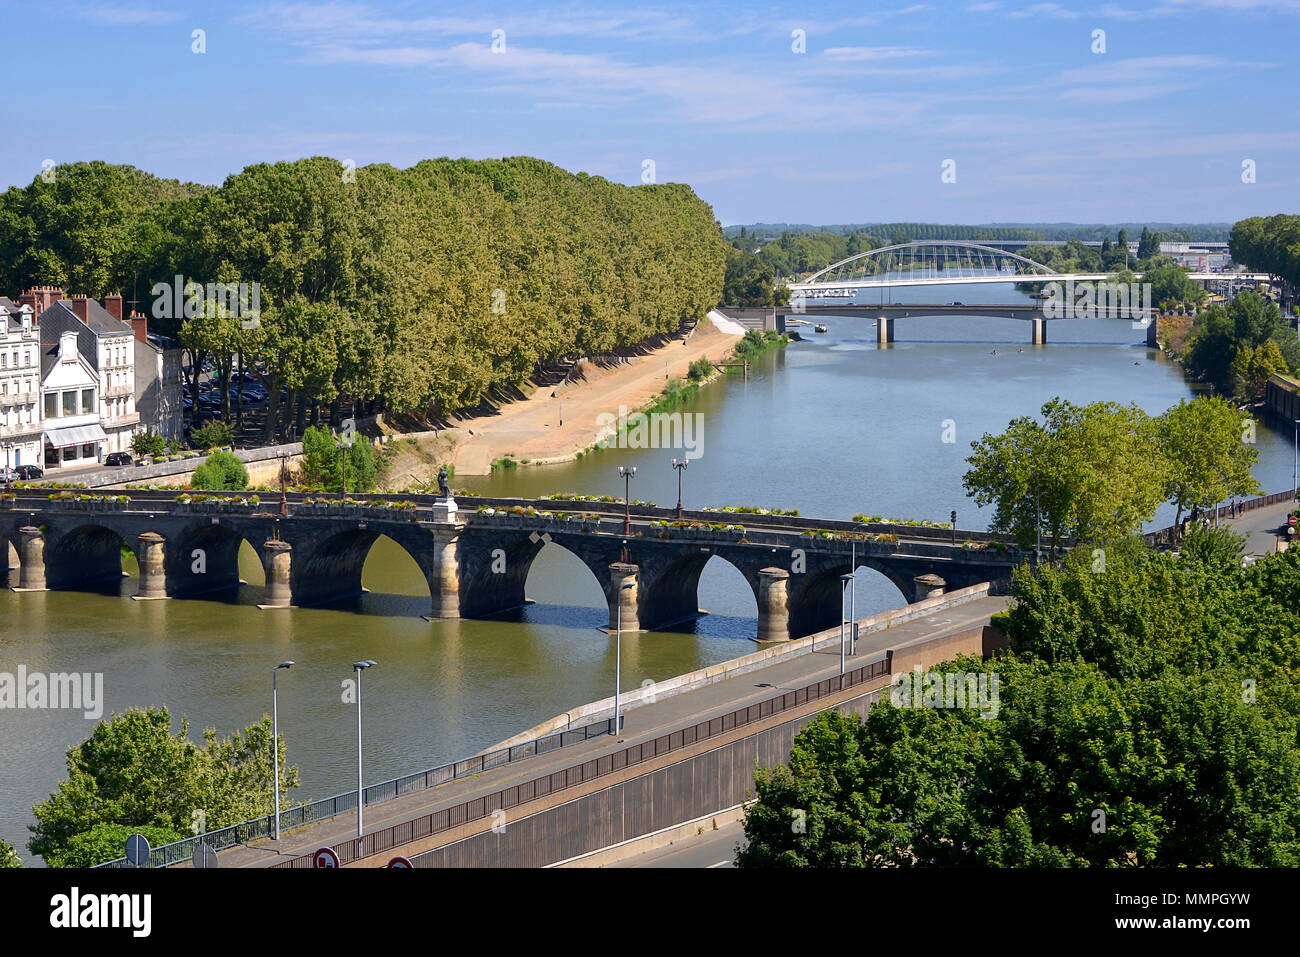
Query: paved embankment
{"points": [[926, 640]]}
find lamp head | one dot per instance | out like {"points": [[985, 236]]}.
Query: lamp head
{"points": [[284, 664]]}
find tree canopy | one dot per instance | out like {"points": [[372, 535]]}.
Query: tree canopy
{"points": [[1147, 716]]}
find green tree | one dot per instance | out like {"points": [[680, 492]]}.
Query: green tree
{"points": [[1206, 453], [134, 772], [107, 842], [212, 435], [1216, 547], [8, 856], [322, 462], [148, 443], [221, 472], [1084, 473]]}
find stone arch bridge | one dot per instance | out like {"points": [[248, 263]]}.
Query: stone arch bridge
{"points": [[476, 564]]}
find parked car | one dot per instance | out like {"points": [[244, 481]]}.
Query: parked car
{"points": [[30, 473], [118, 458]]}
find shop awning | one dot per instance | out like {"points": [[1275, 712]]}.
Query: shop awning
{"points": [[76, 435]]}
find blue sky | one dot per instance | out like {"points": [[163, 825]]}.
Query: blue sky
{"points": [[855, 129]]}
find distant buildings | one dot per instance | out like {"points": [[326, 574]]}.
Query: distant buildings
{"points": [[78, 380]]}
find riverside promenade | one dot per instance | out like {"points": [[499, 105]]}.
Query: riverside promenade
{"points": [[924, 639]]}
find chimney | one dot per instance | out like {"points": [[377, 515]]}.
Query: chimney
{"points": [[140, 326], [28, 299], [45, 296], [113, 303], [80, 306]]}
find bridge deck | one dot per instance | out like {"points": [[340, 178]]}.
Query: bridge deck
{"points": [[641, 723]]}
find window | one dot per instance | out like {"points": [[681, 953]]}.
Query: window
{"points": [[87, 400], [51, 405], [88, 450], [70, 403]]}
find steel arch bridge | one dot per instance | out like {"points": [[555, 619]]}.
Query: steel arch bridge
{"points": [[925, 262]]}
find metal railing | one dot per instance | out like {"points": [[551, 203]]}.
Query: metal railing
{"points": [[260, 828], [482, 807]]}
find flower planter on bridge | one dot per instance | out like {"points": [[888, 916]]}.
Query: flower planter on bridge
{"points": [[87, 505]]}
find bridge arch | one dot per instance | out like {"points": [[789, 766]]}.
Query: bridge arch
{"points": [[943, 255], [329, 568], [669, 592], [204, 558], [85, 556], [815, 600]]}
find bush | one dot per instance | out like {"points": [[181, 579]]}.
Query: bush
{"points": [[701, 368], [106, 842], [147, 443], [322, 462], [8, 856], [213, 435], [222, 472]]}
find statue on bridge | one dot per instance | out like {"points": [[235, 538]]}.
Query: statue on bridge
{"points": [[443, 488]]}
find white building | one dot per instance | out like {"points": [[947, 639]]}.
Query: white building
{"points": [[87, 378], [20, 384], [158, 381]]}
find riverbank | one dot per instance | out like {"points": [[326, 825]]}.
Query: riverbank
{"points": [[554, 425]]}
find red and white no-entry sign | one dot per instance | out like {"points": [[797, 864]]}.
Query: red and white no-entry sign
{"points": [[325, 857], [400, 862]]}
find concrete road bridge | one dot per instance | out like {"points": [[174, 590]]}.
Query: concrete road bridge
{"points": [[476, 561]]}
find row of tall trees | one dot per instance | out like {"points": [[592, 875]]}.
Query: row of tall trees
{"points": [[425, 288]]}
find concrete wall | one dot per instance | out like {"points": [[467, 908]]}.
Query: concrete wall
{"points": [[682, 786], [594, 711], [263, 466]]}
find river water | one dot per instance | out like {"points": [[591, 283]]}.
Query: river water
{"points": [[830, 426]]}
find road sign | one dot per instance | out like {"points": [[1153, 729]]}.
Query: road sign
{"points": [[1290, 520], [400, 862], [137, 850], [204, 855], [325, 857]]}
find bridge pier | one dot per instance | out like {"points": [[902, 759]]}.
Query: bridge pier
{"points": [[623, 606], [277, 565], [1153, 341], [444, 580], [884, 330], [31, 577], [152, 559], [1039, 337], [773, 604], [927, 586]]}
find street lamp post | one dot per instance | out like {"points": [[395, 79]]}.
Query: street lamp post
{"points": [[679, 465], [275, 741], [954, 526], [1295, 469], [9, 475], [627, 471], [853, 614], [360, 666], [618, 655], [844, 584], [284, 476], [343, 445]]}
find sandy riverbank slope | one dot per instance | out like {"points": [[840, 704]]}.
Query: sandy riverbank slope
{"points": [[530, 428]]}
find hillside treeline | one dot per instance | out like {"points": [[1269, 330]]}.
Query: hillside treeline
{"points": [[424, 288]]}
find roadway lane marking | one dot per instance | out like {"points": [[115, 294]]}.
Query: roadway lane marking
{"points": [[719, 864]]}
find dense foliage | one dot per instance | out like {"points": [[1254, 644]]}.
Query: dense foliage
{"points": [[134, 772], [8, 856], [106, 842], [221, 472], [425, 288], [1237, 348], [1147, 716], [1268, 244], [322, 462], [1097, 472]]}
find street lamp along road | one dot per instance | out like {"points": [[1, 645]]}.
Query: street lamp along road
{"points": [[627, 471], [275, 742], [618, 655], [360, 793], [679, 465]]}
